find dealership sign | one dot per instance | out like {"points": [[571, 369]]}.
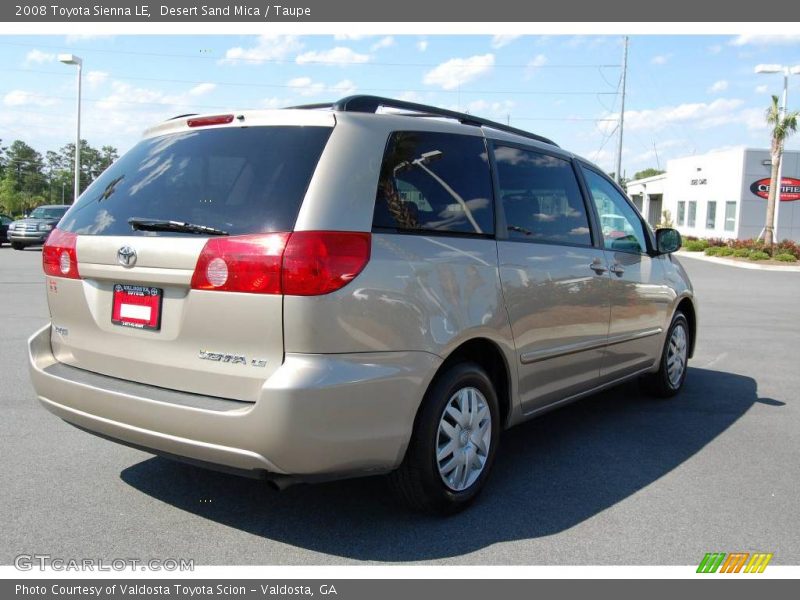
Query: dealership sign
{"points": [[790, 188]]}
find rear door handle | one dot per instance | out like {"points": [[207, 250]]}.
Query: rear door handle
{"points": [[598, 267], [617, 269]]}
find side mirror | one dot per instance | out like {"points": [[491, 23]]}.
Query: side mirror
{"points": [[668, 240]]}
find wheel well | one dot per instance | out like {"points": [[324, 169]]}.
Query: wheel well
{"points": [[687, 308], [488, 355]]}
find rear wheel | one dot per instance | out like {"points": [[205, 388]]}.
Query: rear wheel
{"points": [[453, 444], [17, 246], [668, 380]]}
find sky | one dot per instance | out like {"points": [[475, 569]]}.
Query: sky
{"points": [[685, 94]]}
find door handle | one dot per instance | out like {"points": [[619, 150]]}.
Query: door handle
{"points": [[617, 269], [598, 267]]}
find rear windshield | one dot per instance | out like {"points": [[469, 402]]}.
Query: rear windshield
{"points": [[49, 212], [240, 180]]}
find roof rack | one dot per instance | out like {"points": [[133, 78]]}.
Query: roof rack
{"points": [[371, 104]]}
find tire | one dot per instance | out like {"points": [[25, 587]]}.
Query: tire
{"points": [[665, 383], [17, 246], [420, 481]]}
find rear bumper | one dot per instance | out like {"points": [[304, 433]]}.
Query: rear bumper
{"points": [[317, 415]]}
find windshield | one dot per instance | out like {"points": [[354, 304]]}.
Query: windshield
{"points": [[238, 180], [49, 212]]}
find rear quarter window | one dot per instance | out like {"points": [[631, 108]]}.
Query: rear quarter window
{"points": [[240, 180], [435, 182]]}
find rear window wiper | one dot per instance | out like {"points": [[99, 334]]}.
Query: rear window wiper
{"points": [[138, 224]]}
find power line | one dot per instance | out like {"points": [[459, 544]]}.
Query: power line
{"points": [[299, 88], [293, 60]]}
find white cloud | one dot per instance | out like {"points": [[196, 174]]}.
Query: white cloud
{"points": [[539, 60], [305, 86], [338, 56], [459, 71], [96, 78], [701, 115], [715, 49], [38, 57], [384, 42], [344, 88], [718, 86], [269, 47], [761, 89], [349, 36], [766, 40], [202, 88], [24, 98], [274, 102], [660, 59], [498, 41], [485, 107], [422, 45]]}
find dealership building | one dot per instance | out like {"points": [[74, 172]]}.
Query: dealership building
{"points": [[721, 194]]}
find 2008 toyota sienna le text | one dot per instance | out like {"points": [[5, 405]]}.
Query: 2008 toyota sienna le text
{"points": [[369, 286]]}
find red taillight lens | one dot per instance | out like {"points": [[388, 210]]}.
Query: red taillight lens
{"points": [[304, 263], [59, 256], [320, 262], [215, 120], [245, 263]]}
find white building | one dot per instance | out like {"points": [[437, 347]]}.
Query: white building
{"points": [[721, 194]]}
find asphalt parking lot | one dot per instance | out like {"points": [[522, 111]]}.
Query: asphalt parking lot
{"points": [[614, 479]]}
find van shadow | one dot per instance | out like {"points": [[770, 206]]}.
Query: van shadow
{"points": [[550, 474]]}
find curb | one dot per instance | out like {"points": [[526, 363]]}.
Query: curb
{"points": [[736, 263]]}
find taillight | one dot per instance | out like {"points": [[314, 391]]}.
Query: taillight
{"points": [[244, 263], [304, 263], [59, 256], [320, 262], [213, 120]]}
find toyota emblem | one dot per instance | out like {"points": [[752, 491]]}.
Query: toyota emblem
{"points": [[126, 256]]}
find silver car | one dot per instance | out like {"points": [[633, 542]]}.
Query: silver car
{"points": [[370, 286]]}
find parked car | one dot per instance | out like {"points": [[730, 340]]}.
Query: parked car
{"points": [[336, 291], [34, 229], [5, 221]]}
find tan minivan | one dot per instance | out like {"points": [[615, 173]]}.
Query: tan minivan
{"points": [[370, 286]]}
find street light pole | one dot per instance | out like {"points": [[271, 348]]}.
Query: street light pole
{"points": [[782, 111], [71, 59]]}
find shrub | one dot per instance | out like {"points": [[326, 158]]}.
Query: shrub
{"points": [[713, 251], [695, 245], [742, 252], [725, 251], [785, 257], [788, 247], [716, 242], [758, 255]]}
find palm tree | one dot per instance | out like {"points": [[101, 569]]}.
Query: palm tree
{"points": [[783, 125]]}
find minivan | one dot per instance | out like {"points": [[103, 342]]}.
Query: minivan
{"points": [[365, 287]]}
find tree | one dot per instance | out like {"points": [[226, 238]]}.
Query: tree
{"points": [[93, 162], [649, 172], [783, 125]]}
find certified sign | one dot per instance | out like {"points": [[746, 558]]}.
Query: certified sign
{"points": [[790, 188]]}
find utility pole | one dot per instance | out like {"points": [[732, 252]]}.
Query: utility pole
{"points": [[618, 171]]}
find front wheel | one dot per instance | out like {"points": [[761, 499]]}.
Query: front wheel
{"points": [[17, 246], [453, 444], [668, 380]]}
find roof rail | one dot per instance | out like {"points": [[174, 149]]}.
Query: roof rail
{"points": [[370, 104]]}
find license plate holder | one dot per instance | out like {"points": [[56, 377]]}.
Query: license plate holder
{"points": [[137, 306]]}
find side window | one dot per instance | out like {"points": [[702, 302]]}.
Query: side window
{"points": [[435, 182], [621, 226], [541, 198]]}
